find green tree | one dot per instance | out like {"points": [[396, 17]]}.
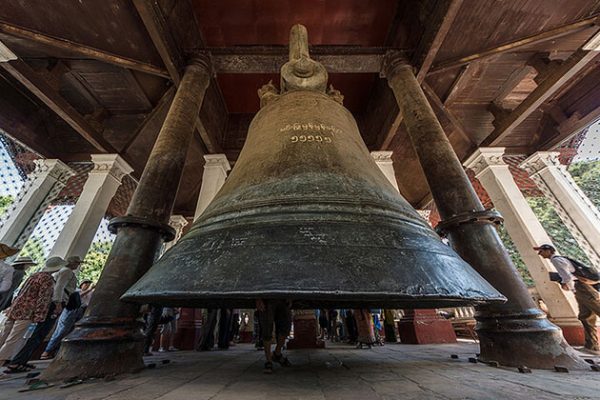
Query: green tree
{"points": [[515, 256], [94, 261], [587, 176], [5, 202]]}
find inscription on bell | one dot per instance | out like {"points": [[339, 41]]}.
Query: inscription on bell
{"points": [[310, 126], [310, 138]]}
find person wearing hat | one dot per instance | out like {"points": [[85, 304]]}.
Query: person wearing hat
{"points": [[29, 310], [17, 272], [65, 284], [584, 282]]}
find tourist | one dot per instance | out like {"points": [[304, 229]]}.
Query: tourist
{"points": [[12, 276], [207, 338], [333, 325], [323, 323], [65, 285], [584, 282], [279, 314], [364, 327], [72, 313], [30, 309], [168, 321], [152, 316]]}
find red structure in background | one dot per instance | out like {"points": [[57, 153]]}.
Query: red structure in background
{"points": [[189, 328], [425, 326]]}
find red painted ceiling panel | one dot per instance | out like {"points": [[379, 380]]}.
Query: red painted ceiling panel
{"points": [[267, 22]]}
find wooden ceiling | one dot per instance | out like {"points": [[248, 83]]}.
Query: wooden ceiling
{"points": [[98, 76]]}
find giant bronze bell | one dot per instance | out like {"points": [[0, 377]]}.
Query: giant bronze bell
{"points": [[307, 215]]}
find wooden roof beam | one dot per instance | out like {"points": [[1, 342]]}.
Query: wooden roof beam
{"points": [[560, 75], [81, 49], [437, 104], [156, 25], [438, 26], [20, 71], [571, 127], [269, 59], [433, 37], [516, 44]]}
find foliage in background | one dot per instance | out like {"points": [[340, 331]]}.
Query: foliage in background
{"points": [[5, 203], [94, 261], [587, 176], [515, 256]]}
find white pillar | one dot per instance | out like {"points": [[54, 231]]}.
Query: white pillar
{"points": [[524, 229], [383, 159], [100, 187], [576, 210], [42, 186], [213, 178]]}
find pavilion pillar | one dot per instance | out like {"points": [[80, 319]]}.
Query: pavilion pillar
{"points": [[526, 232], [417, 326], [108, 340], [516, 332], [576, 210], [213, 178], [383, 159], [45, 183], [100, 187]]}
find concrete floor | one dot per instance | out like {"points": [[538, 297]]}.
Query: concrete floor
{"points": [[338, 372]]}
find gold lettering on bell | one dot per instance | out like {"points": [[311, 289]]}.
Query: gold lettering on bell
{"points": [[310, 126]]}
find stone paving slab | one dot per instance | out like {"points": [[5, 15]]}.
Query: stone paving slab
{"points": [[337, 372]]}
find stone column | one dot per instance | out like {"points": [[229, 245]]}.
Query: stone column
{"points": [[213, 178], [42, 186], [108, 340], [526, 232], [516, 332], [383, 159], [576, 210], [100, 187]]}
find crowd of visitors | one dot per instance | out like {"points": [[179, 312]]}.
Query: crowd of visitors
{"points": [[48, 299]]}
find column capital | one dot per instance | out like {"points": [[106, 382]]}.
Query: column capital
{"points": [[483, 158], [217, 160], [202, 62], [393, 61], [382, 156], [540, 160], [111, 164], [54, 168], [177, 222]]}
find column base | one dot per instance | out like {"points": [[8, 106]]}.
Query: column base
{"points": [[573, 333], [425, 327], [305, 332], [189, 329], [245, 337], [527, 339], [110, 348]]}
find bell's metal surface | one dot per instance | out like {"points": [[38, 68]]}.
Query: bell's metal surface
{"points": [[307, 215]]}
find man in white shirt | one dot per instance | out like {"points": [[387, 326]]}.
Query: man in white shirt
{"points": [[586, 294]]}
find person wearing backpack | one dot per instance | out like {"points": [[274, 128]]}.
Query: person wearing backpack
{"points": [[584, 281]]}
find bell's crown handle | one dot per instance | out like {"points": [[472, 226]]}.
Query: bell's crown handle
{"points": [[301, 72]]}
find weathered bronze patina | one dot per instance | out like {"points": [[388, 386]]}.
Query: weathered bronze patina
{"points": [[307, 215]]}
